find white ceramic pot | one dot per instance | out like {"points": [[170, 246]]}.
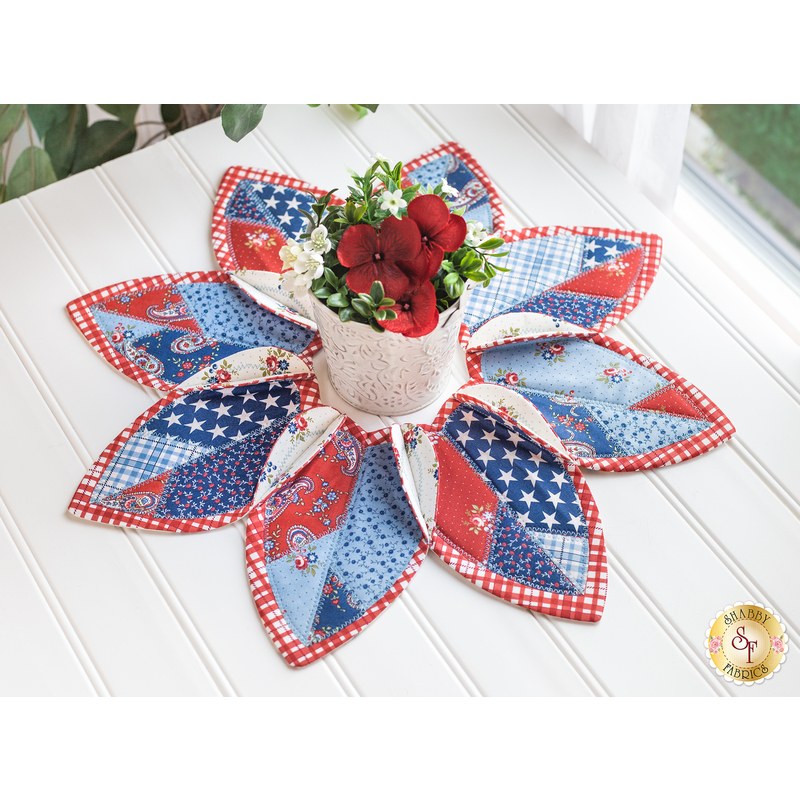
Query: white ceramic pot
{"points": [[387, 373]]}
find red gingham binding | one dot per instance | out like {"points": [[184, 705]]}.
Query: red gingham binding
{"points": [[81, 315], [721, 427], [230, 180], [82, 506], [588, 606], [651, 257], [290, 647], [459, 152]]}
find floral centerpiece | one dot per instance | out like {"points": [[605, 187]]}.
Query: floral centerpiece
{"points": [[390, 258]]}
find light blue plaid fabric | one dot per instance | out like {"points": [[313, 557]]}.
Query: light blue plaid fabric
{"points": [[144, 456], [571, 553], [536, 264]]}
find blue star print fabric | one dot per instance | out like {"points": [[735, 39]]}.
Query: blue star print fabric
{"points": [[535, 520], [199, 457]]}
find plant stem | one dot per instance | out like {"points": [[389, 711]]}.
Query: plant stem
{"points": [[164, 133], [30, 138]]}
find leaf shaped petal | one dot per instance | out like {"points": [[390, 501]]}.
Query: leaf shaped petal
{"points": [[335, 542], [197, 459], [193, 328], [255, 212], [476, 194], [512, 516], [614, 409], [589, 277]]}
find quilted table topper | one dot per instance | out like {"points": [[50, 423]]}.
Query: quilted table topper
{"points": [[488, 486], [339, 519]]}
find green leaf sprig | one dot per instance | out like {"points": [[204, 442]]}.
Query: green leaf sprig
{"points": [[469, 264]]}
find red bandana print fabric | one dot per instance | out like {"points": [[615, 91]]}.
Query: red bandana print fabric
{"points": [[335, 543], [340, 519], [193, 328]]}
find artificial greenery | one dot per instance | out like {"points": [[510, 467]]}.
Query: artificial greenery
{"points": [[365, 205]]}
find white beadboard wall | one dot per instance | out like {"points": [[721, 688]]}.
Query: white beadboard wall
{"points": [[87, 609]]}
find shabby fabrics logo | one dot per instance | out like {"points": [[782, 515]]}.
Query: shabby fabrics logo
{"points": [[746, 643]]}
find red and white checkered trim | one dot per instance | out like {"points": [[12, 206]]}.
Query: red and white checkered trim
{"points": [[296, 653], [587, 607], [498, 218], [721, 427], [80, 313], [82, 506], [651, 257], [230, 180]]}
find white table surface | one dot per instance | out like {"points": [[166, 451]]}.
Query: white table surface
{"points": [[90, 609]]}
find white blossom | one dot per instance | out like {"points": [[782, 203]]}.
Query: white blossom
{"points": [[476, 234], [289, 253], [309, 263], [448, 189], [302, 263], [377, 157], [318, 241], [393, 201]]}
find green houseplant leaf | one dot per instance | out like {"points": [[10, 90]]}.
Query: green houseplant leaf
{"points": [[238, 119], [32, 170], [11, 116], [103, 141], [45, 117], [171, 115], [125, 113], [61, 140]]}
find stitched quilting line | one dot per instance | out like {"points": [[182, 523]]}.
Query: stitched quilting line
{"points": [[638, 369], [398, 536], [701, 442], [509, 509], [167, 475], [299, 653], [684, 395], [609, 434], [336, 530], [81, 505]]}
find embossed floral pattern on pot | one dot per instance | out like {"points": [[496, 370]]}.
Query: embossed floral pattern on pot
{"points": [[386, 373]]}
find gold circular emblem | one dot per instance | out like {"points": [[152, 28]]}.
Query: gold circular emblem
{"points": [[746, 643]]}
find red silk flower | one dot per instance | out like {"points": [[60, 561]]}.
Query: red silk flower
{"points": [[416, 312], [373, 257], [440, 232]]}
